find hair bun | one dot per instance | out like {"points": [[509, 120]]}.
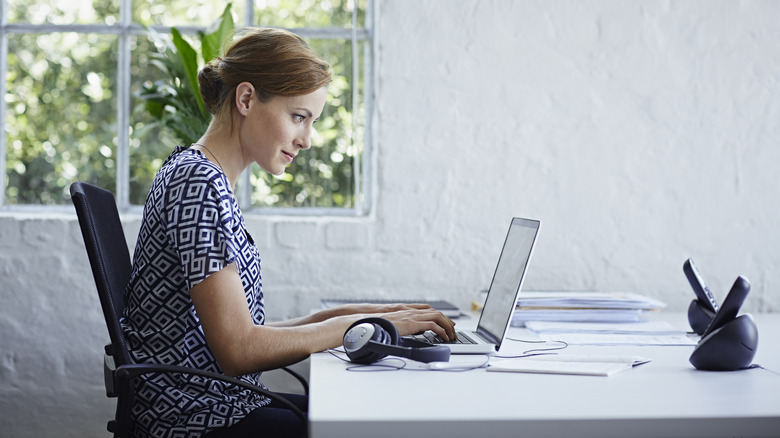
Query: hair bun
{"points": [[211, 86]]}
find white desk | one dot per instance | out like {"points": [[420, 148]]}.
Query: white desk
{"points": [[666, 397]]}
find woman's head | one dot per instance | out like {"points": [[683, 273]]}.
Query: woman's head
{"points": [[276, 62]]}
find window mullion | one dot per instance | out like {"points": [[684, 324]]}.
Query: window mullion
{"points": [[369, 84], [123, 108], [356, 169], [3, 76], [245, 183], [249, 15]]}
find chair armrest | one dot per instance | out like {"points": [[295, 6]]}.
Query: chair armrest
{"points": [[125, 373], [109, 367], [299, 378]]}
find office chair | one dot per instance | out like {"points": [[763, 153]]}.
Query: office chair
{"points": [[109, 258]]}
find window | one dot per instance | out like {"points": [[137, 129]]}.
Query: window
{"points": [[74, 69]]}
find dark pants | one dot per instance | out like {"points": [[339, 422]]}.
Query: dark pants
{"points": [[274, 420]]}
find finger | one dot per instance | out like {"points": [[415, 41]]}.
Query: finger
{"points": [[442, 326], [450, 328], [417, 320], [448, 334]]}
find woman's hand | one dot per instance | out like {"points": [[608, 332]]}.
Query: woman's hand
{"points": [[407, 318], [417, 320]]}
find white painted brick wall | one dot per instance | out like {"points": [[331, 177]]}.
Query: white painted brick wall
{"points": [[640, 132]]}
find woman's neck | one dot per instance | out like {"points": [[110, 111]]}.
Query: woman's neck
{"points": [[224, 153]]}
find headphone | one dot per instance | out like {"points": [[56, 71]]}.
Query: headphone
{"points": [[371, 339]]}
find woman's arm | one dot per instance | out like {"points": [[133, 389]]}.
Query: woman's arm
{"points": [[241, 347], [349, 309]]}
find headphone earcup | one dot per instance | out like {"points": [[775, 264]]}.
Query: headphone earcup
{"points": [[361, 332]]}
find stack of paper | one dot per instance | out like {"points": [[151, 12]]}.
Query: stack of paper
{"points": [[584, 307]]}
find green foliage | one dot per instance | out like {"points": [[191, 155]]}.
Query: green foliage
{"points": [[216, 36], [175, 101]]}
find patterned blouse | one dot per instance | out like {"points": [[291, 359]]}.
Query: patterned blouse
{"points": [[192, 227]]}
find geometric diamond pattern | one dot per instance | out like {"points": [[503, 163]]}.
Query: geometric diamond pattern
{"points": [[192, 227]]}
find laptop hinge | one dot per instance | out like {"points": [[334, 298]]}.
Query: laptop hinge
{"points": [[488, 337]]}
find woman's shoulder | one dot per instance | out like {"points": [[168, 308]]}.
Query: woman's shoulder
{"points": [[188, 176], [185, 156]]}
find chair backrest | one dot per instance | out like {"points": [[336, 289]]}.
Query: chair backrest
{"points": [[109, 257]]}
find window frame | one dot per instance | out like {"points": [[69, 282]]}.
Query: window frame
{"points": [[125, 29]]}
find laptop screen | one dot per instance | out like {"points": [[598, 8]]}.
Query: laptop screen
{"points": [[507, 280]]}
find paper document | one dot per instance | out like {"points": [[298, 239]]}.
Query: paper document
{"points": [[588, 300], [584, 307], [524, 315], [586, 365]]}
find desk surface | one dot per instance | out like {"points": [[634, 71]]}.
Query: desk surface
{"points": [[666, 397]]}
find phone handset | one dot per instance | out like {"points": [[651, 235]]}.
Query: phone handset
{"points": [[704, 307], [729, 342], [731, 305], [701, 290]]}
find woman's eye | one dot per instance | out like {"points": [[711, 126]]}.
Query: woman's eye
{"points": [[298, 118]]}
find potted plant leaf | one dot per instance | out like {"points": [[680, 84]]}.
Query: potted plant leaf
{"points": [[174, 102]]}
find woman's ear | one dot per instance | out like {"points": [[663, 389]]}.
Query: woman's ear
{"points": [[244, 93]]}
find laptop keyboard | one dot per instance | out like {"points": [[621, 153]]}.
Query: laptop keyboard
{"points": [[433, 338]]}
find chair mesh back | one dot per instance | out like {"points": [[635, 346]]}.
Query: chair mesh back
{"points": [[108, 254]]}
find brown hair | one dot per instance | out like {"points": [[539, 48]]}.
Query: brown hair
{"points": [[276, 62]]}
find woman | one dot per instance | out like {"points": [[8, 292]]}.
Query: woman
{"points": [[195, 295]]}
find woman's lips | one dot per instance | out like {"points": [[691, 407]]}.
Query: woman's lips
{"points": [[288, 156]]}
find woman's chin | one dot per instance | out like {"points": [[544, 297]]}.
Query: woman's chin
{"points": [[273, 170]]}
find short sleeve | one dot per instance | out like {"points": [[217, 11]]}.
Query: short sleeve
{"points": [[201, 222]]}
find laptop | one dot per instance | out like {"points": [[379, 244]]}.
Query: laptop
{"points": [[496, 314]]}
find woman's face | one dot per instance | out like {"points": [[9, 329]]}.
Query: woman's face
{"points": [[274, 132]]}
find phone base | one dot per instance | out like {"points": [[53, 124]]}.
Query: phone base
{"points": [[728, 348], [699, 317]]}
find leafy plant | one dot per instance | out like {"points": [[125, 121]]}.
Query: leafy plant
{"points": [[175, 102]]}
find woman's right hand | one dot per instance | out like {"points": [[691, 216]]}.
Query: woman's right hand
{"points": [[416, 320]]}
